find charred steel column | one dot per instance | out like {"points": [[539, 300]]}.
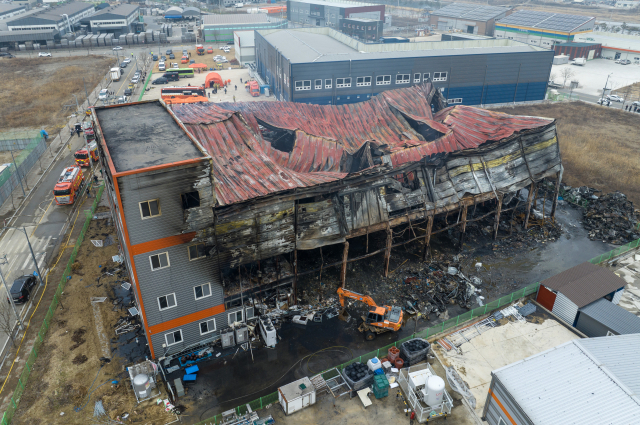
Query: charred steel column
{"points": [[555, 195], [343, 271], [295, 252], [464, 222], [532, 189], [387, 252], [427, 237], [498, 210]]}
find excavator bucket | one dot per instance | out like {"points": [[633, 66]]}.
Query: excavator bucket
{"points": [[344, 315]]}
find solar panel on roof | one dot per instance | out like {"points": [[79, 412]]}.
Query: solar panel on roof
{"points": [[545, 20]]}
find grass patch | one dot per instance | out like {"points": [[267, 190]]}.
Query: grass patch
{"points": [[34, 91], [599, 145]]}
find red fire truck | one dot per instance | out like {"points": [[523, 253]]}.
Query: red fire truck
{"points": [[82, 155], [87, 128], [68, 187]]}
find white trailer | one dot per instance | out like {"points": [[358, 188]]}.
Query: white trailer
{"points": [[115, 74], [297, 395]]}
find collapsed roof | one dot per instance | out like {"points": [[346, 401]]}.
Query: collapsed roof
{"points": [[261, 148]]}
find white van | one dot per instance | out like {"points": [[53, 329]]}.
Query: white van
{"points": [[161, 66]]}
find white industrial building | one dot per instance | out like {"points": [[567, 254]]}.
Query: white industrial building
{"points": [[614, 46], [584, 381], [60, 19], [10, 10], [627, 4], [114, 19], [244, 46]]}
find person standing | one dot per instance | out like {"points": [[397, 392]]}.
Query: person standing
{"points": [[209, 94], [234, 98], [236, 88], [626, 107]]}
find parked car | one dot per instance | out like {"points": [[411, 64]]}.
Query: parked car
{"points": [[135, 79], [123, 65], [126, 60], [604, 102], [117, 48], [615, 98], [625, 62], [171, 76], [636, 103], [22, 288], [128, 92], [161, 66], [174, 65], [185, 59], [155, 58], [161, 80], [172, 56], [121, 99], [554, 85], [617, 60], [169, 51], [209, 49], [6, 55], [44, 55], [103, 95]]}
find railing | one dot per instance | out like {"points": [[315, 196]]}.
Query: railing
{"points": [[615, 252], [24, 376], [261, 402]]}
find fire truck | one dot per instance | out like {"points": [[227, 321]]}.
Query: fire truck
{"points": [[82, 155], [68, 187], [87, 128]]}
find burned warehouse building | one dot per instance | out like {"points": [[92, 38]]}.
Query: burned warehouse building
{"points": [[203, 192]]}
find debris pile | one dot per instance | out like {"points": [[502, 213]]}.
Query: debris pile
{"points": [[611, 218], [582, 195]]}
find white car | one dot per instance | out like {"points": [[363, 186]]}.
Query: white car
{"points": [[604, 102], [615, 98], [174, 65], [117, 48], [103, 95], [161, 66], [126, 60], [135, 80], [44, 55]]}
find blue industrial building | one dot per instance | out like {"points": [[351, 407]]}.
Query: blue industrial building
{"points": [[323, 66]]}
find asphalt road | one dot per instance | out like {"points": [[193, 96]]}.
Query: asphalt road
{"points": [[44, 221]]}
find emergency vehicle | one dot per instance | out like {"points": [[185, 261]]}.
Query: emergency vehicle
{"points": [[82, 155], [68, 187], [87, 128]]}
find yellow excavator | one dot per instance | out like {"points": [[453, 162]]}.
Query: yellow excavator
{"points": [[379, 319]]}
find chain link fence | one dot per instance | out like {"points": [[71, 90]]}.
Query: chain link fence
{"points": [[14, 172], [33, 356], [262, 402]]}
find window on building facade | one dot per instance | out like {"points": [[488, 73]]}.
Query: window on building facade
{"points": [[303, 85], [166, 302], [343, 82], [425, 76], [149, 209], [197, 251], [403, 79], [190, 200], [455, 100], [416, 78], [159, 261], [327, 84], [173, 337], [439, 76], [383, 80], [202, 291], [207, 326], [318, 84], [363, 81], [236, 316]]}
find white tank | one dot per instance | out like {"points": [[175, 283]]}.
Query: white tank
{"points": [[141, 384], [435, 390], [374, 364]]}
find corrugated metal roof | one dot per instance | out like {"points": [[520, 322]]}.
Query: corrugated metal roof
{"points": [[235, 18], [325, 135], [613, 316], [473, 12], [545, 20], [585, 283], [52, 14], [330, 3], [569, 384], [8, 36], [123, 9], [620, 354]]}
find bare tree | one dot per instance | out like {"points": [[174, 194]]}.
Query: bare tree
{"points": [[553, 76], [7, 322], [565, 74]]}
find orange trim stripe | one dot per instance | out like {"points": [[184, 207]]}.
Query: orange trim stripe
{"points": [[502, 407], [162, 243], [160, 167], [624, 50], [184, 320]]}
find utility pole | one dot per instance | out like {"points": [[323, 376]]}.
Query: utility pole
{"points": [[10, 297], [85, 90], [605, 87]]}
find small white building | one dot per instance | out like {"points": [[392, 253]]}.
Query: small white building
{"points": [[614, 46], [627, 4], [245, 46]]}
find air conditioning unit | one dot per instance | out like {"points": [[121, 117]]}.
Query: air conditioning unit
{"points": [[268, 332], [228, 338]]}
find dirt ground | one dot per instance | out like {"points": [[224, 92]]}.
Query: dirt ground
{"points": [[206, 59], [599, 145], [33, 91], [67, 378]]}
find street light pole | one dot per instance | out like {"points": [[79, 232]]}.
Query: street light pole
{"points": [[15, 311], [605, 87], [17, 171]]}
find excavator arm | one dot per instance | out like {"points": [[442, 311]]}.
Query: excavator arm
{"points": [[343, 293]]}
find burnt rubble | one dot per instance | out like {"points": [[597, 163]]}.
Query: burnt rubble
{"points": [[611, 218]]}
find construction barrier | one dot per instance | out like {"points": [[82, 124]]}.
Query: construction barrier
{"points": [[262, 402], [24, 376]]}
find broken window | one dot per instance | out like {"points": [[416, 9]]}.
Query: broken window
{"points": [[236, 316], [197, 251], [150, 208], [190, 200]]}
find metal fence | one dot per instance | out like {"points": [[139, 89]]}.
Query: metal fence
{"points": [[9, 178], [261, 402], [31, 359], [615, 252], [16, 140]]}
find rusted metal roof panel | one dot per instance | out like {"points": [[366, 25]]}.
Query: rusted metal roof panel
{"points": [[329, 142]]}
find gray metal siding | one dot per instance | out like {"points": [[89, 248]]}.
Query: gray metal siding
{"points": [[190, 334], [180, 278], [493, 412], [565, 309], [166, 185], [601, 316], [591, 327]]}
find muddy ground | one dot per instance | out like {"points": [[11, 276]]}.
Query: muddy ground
{"points": [[69, 375]]}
